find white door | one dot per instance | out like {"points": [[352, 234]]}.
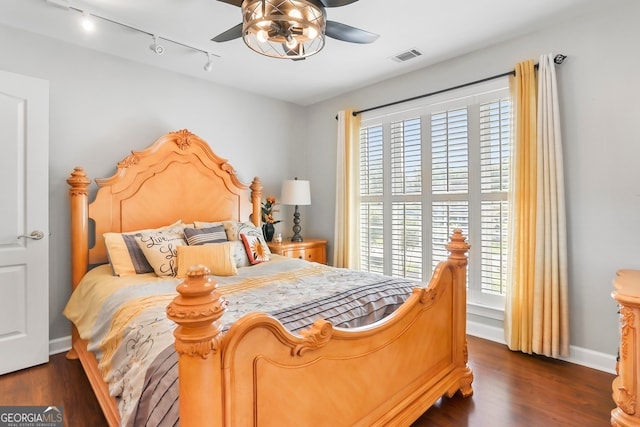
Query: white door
{"points": [[24, 222]]}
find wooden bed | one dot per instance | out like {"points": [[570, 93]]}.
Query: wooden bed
{"points": [[258, 373]]}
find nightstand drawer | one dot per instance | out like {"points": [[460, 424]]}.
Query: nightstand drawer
{"points": [[313, 250], [309, 254]]}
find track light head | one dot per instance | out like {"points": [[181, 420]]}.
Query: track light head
{"points": [[87, 22], [157, 48], [209, 65]]}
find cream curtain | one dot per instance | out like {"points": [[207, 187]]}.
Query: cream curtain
{"points": [[536, 312], [346, 249]]}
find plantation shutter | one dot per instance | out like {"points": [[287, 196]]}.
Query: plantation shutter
{"points": [[495, 137], [449, 178], [430, 168], [371, 192], [406, 215]]}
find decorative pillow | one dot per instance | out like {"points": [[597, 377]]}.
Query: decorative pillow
{"points": [[239, 254], [234, 229], [200, 236], [218, 257], [206, 224], [125, 256], [256, 247], [161, 249]]}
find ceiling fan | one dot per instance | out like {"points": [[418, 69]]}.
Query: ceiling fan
{"points": [[291, 29]]}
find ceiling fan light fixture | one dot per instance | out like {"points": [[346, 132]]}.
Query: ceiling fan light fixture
{"points": [[262, 36], [295, 13], [276, 28], [291, 42]]}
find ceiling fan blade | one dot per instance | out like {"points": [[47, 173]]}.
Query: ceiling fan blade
{"points": [[346, 33], [231, 34], [334, 3], [234, 2]]}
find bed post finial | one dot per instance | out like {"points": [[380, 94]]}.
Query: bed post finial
{"points": [[458, 248], [197, 311], [256, 201]]}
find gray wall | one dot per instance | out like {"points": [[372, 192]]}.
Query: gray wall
{"points": [[599, 96], [101, 107]]}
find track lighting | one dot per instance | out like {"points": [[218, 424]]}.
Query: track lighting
{"points": [[209, 65], [157, 48], [87, 22], [64, 4]]}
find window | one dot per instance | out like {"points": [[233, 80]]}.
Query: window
{"points": [[433, 167]]}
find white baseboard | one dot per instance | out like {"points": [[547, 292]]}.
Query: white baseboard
{"points": [[578, 355], [592, 359], [59, 345]]}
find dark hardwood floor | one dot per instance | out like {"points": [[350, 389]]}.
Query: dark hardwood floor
{"points": [[510, 389]]}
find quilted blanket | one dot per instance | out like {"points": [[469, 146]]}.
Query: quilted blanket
{"points": [[124, 320]]}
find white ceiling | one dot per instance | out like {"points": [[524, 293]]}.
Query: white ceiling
{"points": [[440, 29]]}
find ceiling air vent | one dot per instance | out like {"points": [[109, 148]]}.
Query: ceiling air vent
{"points": [[407, 55]]}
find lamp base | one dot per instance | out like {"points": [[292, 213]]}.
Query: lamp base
{"points": [[296, 227]]}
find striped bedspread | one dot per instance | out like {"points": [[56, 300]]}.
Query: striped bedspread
{"points": [[124, 320]]}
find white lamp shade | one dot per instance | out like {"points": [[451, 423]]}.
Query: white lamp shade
{"points": [[295, 192]]}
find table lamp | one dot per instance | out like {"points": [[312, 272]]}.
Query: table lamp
{"points": [[297, 193]]}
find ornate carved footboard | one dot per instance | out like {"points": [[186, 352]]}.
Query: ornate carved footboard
{"points": [[259, 374]]}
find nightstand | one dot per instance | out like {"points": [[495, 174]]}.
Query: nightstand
{"points": [[314, 250]]}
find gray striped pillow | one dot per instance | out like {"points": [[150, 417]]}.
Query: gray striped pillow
{"points": [[201, 236]]}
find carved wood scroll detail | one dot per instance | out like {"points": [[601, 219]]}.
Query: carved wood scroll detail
{"points": [[313, 338], [428, 296], [197, 311], [130, 160], [183, 139], [626, 399], [627, 331]]}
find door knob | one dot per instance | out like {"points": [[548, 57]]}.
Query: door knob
{"points": [[35, 235]]}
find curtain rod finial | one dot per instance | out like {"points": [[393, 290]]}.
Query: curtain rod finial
{"points": [[559, 58]]}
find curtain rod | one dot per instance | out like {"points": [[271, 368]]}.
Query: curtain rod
{"points": [[558, 59]]}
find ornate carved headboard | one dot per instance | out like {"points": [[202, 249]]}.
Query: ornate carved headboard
{"points": [[177, 177]]}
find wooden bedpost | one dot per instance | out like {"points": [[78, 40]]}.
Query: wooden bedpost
{"points": [[197, 311], [256, 201], [458, 248], [79, 195]]}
